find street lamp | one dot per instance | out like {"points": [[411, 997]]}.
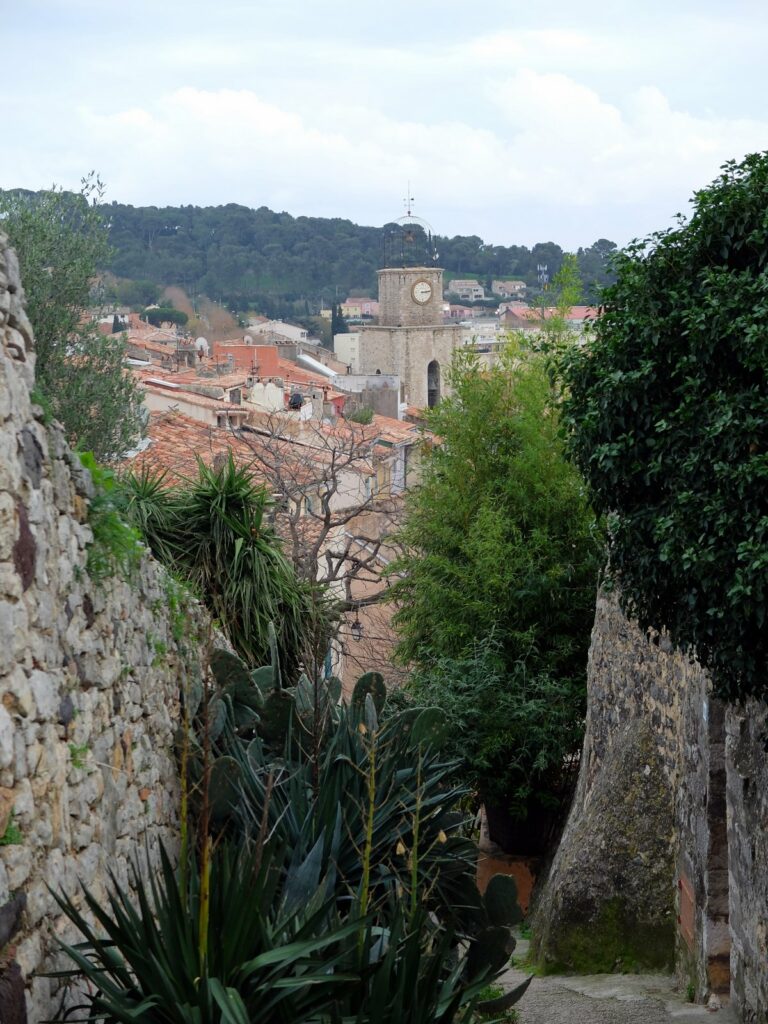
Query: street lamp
{"points": [[357, 626]]}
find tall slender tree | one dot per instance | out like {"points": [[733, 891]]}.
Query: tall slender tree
{"points": [[498, 579]]}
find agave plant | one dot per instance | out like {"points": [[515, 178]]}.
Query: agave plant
{"points": [[370, 795], [410, 975]]}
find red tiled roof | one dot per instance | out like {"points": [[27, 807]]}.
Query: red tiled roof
{"points": [[574, 313], [389, 429], [151, 346], [176, 443], [265, 357], [159, 387], [186, 377]]}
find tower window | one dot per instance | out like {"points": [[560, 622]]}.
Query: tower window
{"points": [[433, 384]]}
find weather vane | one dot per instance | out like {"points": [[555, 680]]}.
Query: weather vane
{"points": [[408, 241], [407, 202]]}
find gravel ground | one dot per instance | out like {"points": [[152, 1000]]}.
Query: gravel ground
{"points": [[608, 999]]}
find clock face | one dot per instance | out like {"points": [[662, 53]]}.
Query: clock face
{"points": [[421, 292]]}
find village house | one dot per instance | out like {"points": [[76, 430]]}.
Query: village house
{"points": [[355, 308], [277, 331], [458, 312]]}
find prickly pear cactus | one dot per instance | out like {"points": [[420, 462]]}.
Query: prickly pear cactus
{"points": [[500, 901], [490, 948], [275, 719], [488, 951], [371, 683], [224, 788], [227, 668]]}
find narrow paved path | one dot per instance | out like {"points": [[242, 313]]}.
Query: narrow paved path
{"points": [[608, 999]]}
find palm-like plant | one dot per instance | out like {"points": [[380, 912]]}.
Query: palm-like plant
{"points": [[149, 505]]}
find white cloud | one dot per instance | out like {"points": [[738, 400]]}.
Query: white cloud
{"points": [[543, 47], [555, 145]]}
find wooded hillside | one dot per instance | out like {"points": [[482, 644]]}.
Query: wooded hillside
{"points": [[261, 259]]}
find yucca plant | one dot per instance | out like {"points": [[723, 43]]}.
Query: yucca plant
{"points": [[273, 946], [149, 504], [213, 531]]}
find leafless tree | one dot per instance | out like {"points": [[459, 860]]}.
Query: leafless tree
{"points": [[335, 491]]}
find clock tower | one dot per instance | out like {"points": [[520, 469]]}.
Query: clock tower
{"points": [[410, 296], [411, 339]]}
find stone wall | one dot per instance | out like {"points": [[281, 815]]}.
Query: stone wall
{"points": [[89, 684], [746, 741], [613, 875], [664, 858]]}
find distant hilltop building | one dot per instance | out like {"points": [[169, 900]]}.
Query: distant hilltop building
{"points": [[466, 290], [411, 338], [508, 289]]}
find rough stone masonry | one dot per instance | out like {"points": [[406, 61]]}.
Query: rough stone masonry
{"points": [[90, 676], [664, 859]]}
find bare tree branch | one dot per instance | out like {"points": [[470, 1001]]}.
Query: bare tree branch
{"points": [[332, 485]]}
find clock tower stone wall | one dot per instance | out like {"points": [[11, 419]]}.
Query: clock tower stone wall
{"points": [[408, 352], [397, 305]]}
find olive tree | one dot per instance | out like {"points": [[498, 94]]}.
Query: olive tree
{"points": [[61, 240]]}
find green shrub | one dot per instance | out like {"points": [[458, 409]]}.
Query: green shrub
{"points": [[512, 729], [13, 835], [164, 314], [363, 415], [61, 240], [116, 547]]}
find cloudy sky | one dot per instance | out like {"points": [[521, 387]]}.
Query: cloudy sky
{"points": [[520, 122]]}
